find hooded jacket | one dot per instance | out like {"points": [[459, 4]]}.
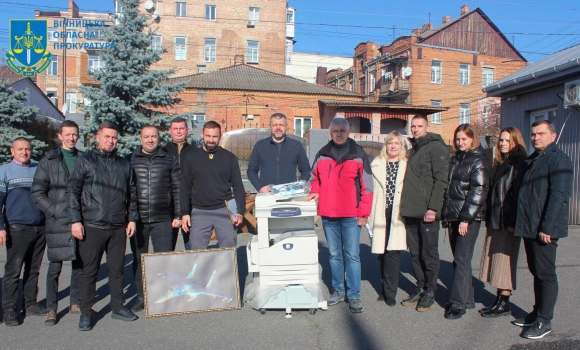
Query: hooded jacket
{"points": [[426, 177]]}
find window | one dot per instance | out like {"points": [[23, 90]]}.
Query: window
{"points": [[386, 76], [156, 4], [180, 9], [51, 32], [118, 7], [362, 86], [289, 47], [464, 113], [201, 68], [487, 78], [463, 74], [52, 69], [210, 12], [71, 102], [254, 14], [97, 33], [253, 52], [436, 117], [436, 72], [302, 125], [200, 118], [95, 63], [69, 34], [290, 16], [156, 43], [209, 50], [372, 81], [180, 48], [52, 95], [485, 113]]}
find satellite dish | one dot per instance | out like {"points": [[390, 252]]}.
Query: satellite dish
{"points": [[149, 5], [407, 71]]}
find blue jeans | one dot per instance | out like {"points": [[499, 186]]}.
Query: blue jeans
{"points": [[343, 238]]}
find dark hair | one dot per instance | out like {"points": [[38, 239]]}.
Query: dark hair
{"points": [[21, 139], [212, 125], [517, 144], [178, 120], [68, 124], [550, 125], [108, 125], [148, 126], [470, 132], [421, 116], [278, 116]]}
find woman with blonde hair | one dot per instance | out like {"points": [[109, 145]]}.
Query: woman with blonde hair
{"points": [[500, 252], [385, 221]]}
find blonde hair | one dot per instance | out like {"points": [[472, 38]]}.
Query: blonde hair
{"points": [[390, 137]]}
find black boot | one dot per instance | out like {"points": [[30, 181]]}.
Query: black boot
{"points": [[501, 309], [487, 308]]}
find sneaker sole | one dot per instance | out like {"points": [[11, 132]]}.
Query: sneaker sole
{"points": [[121, 318], [85, 329], [357, 311], [537, 336], [425, 309], [409, 303], [332, 303], [522, 324]]}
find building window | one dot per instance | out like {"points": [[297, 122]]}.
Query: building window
{"points": [[69, 34], [290, 16], [98, 34], [289, 48], [464, 113], [200, 118], [302, 125], [362, 86], [254, 14], [209, 50], [436, 72], [71, 102], [485, 113], [156, 43], [436, 117], [51, 32], [201, 68], [52, 69], [180, 9], [95, 62], [386, 76], [253, 52], [118, 7], [52, 95], [210, 12], [487, 78], [180, 48], [463, 74], [372, 81]]}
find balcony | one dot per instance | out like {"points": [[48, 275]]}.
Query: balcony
{"points": [[396, 87]]}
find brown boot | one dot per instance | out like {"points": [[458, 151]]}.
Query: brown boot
{"points": [[75, 309], [50, 318]]}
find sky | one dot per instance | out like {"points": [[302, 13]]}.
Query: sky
{"points": [[536, 27]]}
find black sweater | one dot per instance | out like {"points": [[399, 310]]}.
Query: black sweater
{"points": [[206, 183]]}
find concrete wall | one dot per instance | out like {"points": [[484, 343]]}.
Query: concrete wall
{"points": [[304, 64]]}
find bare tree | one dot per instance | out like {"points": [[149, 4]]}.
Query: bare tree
{"points": [[489, 120]]}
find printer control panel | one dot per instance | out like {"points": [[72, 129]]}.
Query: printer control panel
{"points": [[286, 212]]}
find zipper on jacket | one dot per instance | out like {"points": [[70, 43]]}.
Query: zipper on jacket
{"points": [[329, 170], [340, 171]]}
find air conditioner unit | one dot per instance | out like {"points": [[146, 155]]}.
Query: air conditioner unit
{"points": [[251, 23], [572, 94], [250, 117]]}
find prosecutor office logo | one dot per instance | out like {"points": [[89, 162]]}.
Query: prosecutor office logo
{"points": [[28, 53]]}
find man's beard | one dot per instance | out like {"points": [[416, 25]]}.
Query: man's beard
{"points": [[279, 137], [210, 148]]}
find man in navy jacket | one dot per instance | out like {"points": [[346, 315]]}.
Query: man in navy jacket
{"points": [[275, 158]]}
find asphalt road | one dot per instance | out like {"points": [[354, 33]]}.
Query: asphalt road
{"points": [[379, 327]]}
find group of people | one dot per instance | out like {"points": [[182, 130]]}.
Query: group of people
{"points": [[81, 205]]}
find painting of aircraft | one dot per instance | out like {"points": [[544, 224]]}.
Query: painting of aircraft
{"points": [[189, 287]]}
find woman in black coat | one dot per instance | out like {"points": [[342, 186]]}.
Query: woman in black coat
{"points": [[463, 211], [500, 252]]}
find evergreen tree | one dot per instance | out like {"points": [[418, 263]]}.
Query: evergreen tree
{"points": [[130, 94], [14, 115]]}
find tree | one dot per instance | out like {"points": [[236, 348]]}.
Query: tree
{"points": [[14, 115], [488, 123], [130, 94]]}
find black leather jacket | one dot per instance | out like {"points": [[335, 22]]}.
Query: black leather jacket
{"points": [[158, 183], [468, 187], [101, 191], [49, 193]]}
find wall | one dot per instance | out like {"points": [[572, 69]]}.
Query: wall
{"points": [[304, 64], [37, 99]]}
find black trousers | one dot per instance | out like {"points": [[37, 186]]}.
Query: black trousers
{"points": [[542, 264], [423, 242], [52, 277], [161, 235], [389, 264], [462, 247], [91, 248], [24, 247]]}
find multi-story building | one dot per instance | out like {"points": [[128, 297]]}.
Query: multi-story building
{"points": [[198, 36], [443, 66]]}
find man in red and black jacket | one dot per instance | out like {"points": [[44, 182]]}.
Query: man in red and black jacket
{"points": [[342, 183]]}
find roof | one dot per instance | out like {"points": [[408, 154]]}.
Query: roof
{"points": [[548, 67], [246, 77], [363, 104], [11, 76]]}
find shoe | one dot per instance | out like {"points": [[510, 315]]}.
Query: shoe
{"points": [[414, 298], [11, 317], [501, 309], [527, 321], [336, 298], [355, 306], [139, 305], [85, 322], [427, 301], [124, 315], [74, 309], [487, 308], [391, 302], [50, 318], [453, 313], [36, 309], [381, 298], [539, 330], [470, 306]]}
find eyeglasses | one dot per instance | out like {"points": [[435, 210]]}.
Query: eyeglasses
{"points": [[341, 131]]}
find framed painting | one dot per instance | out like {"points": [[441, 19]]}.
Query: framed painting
{"points": [[193, 281]]}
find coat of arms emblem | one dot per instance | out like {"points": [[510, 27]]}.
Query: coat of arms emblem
{"points": [[28, 53]]}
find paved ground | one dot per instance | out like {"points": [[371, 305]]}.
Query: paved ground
{"points": [[379, 327]]}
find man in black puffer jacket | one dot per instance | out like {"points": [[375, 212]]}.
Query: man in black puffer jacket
{"points": [[49, 193], [158, 176], [102, 202]]}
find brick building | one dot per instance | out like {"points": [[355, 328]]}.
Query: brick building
{"points": [[443, 66], [197, 35]]}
